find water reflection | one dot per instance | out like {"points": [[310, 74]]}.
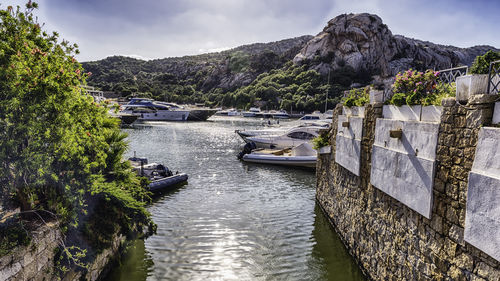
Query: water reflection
{"points": [[136, 264], [329, 254], [232, 221]]}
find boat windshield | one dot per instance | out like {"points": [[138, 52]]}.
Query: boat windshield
{"points": [[301, 136]]}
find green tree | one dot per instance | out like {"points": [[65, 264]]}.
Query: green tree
{"points": [[59, 150]]}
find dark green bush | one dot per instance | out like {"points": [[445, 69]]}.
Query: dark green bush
{"points": [[481, 64]]}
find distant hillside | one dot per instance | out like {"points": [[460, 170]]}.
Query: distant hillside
{"points": [[226, 70], [353, 49]]}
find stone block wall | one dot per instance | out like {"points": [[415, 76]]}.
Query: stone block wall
{"points": [[35, 262], [389, 240]]}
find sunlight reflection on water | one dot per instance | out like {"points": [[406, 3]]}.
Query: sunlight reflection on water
{"points": [[232, 221]]}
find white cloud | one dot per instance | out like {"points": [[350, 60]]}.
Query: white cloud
{"points": [[157, 29]]}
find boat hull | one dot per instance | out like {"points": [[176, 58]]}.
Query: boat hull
{"points": [[248, 114], [163, 115], [262, 142], [127, 119], [298, 161], [165, 183], [200, 114]]}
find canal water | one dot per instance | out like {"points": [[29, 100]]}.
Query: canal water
{"points": [[233, 220]]}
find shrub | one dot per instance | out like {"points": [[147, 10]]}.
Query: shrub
{"points": [[413, 87], [357, 97], [321, 140], [481, 64]]}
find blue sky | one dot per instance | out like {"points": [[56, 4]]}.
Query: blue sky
{"points": [[164, 28]]}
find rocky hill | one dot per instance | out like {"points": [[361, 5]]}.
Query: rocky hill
{"points": [[355, 49], [226, 70], [364, 42]]}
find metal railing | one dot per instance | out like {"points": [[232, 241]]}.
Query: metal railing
{"points": [[448, 76], [494, 78]]}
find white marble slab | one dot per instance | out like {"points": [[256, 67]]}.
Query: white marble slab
{"points": [[429, 113], [482, 217], [348, 143]]}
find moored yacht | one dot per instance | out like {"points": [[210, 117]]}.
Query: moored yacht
{"points": [[150, 110], [291, 138], [252, 112], [302, 155], [245, 134], [196, 113]]}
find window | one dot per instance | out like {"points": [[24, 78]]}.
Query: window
{"points": [[301, 136]]}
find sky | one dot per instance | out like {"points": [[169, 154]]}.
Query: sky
{"points": [[151, 29]]}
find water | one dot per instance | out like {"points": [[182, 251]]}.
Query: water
{"points": [[232, 221]]}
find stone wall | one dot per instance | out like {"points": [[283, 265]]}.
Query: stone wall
{"points": [[36, 261], [388, 239]]}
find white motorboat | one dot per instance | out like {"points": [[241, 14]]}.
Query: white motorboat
{"points": [[282, 114], [244, 134], [252, 112], [150, 110], [302, 155], [291, 138], [196, 113], [228, 112], [318, 116], [233, 112], [310, 117]]}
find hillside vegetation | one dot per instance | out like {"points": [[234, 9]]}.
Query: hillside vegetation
{"points": [[352, 50]]}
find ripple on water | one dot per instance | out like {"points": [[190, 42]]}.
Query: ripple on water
{"points": [[232, 221]]}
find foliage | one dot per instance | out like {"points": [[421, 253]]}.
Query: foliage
{"points": [[357, 97], [263, 75], [292, 88], [322, 140], [239, 62], [413, 87], [59, 150], [481, 64], [12, 235], [444, 91], [203, 78]]}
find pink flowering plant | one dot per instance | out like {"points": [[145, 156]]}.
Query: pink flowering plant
{"points": [[413, 87]]}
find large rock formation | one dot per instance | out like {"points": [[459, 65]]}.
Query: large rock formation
{"points": [[365, 43]]}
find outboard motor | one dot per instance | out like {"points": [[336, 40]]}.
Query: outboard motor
{"points": [[249, 146], [163, 171]]}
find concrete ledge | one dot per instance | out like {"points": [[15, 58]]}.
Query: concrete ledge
{"points": [[483, 99], [325, 149], [472, 84], [353, 111], [404, 177], [412, 113]]}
